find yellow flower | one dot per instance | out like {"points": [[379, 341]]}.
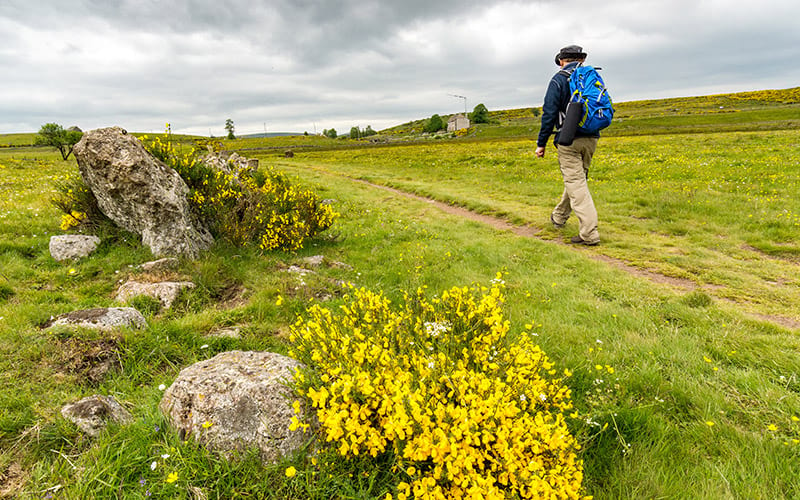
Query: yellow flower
{"points": [[279, 301], [709, 423], [207, 424], [172, 477], [291, 471], [772, 427]]}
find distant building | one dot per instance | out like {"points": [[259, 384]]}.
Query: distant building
{"points": [[457, 122]]}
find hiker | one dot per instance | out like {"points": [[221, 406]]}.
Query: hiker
{"points": [[573, 159]]}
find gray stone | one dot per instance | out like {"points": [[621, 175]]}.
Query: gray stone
{"points": [[231, 163], [92, 414], [165, 292], [231, 332], [299, 270], [72, 246], [165, 264], [236, 401], [314, 260], [139, 193], [101, 318]]}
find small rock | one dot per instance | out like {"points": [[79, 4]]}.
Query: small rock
{"points": [[92, 414], [101, 318], [166, 264], [299, 270], [236, 401], [72, 246], [166, 291], [314, 261], [233, 332]]}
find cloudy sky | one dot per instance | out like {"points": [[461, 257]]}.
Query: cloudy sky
{"points": [[305, 65]]}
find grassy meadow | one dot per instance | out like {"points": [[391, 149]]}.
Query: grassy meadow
{"points": [[680, 330]]}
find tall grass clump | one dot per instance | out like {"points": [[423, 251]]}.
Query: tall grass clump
{"points": [[439, 388]]}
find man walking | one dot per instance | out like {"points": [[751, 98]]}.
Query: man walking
{"points": [[574, 159]]}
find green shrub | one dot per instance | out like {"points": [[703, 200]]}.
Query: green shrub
{"points": [[6, 292], [434, 124], [480, 114]]}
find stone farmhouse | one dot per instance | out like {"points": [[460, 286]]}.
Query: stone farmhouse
{"points": [[457, 122]]}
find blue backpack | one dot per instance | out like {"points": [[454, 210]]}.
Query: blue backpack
{"points": [[588, 88]]}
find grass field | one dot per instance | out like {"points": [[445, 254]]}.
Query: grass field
{"points": [[685, 387]]}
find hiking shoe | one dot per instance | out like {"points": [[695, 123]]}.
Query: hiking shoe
{"points": [[556, 224], [578, 240]]}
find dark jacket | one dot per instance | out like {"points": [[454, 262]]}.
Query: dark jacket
{"points": [[555, 105]]}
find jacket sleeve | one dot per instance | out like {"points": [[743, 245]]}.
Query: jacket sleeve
{"points": [[549, 112]]}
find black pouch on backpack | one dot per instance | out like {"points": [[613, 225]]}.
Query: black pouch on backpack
{"points": [[570, 125]]}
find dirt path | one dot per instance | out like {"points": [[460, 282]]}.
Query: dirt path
{"points": [[533, 232]]}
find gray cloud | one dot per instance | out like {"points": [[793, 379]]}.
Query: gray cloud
{"points": [[296, 64]]}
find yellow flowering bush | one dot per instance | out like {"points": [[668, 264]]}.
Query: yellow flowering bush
{"points": [[72, 219], [786, 96], [437, 385], [77, 203], [243, 206]]}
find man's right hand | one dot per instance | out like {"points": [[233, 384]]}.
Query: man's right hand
{"points": [[540, 152]]}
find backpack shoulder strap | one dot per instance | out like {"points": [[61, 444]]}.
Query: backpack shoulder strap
{"points": [[568, 72]]}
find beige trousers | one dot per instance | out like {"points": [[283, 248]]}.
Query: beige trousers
{"points": [[574, 161]]}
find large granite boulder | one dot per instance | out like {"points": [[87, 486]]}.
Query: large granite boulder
{"points": [[92, 414], [139, 193], [236, 401]]}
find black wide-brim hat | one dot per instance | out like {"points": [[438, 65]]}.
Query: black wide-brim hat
{"points": [[570, 52]]}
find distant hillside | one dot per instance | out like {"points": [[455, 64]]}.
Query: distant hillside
{"points": [[742, 111], [759, 110], [263, 135]]}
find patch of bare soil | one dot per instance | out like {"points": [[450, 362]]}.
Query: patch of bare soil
{"points": [[89, 360], [789, 323], [233, 296], [533, 232], [11, 480], [784, 258]]}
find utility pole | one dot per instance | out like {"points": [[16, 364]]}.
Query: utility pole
{"points": [[461, 97]]}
